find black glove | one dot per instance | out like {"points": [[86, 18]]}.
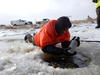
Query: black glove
{"points": [[68, 53], [78, 41], [65, 44], [73, 37]]}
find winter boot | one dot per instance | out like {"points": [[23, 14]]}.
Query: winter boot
{"points": [[29, 39], [97, 26]]}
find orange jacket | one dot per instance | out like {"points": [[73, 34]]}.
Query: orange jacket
{"points": [[48, 36]]}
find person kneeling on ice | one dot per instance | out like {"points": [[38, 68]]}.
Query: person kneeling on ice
{"points": [[54, 32]]}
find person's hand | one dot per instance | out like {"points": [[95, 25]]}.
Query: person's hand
{"points": [[73, 37], [78, 41], [68, 52]]}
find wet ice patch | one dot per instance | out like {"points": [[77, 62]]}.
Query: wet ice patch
{"points": [[81, 60], [15, 47]]}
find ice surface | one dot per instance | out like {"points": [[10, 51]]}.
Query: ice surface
{"points": [[20, 58]]}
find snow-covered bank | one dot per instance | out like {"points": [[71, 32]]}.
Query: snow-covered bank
{"points": [[15, 33], [20, 58]]}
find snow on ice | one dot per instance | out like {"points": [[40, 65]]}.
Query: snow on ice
{"points": [[20, 58]]}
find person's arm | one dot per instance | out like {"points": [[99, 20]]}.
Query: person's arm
{"points": [[66, 44], [57, 51], [52, 50]]}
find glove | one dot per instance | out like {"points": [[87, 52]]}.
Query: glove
{"points": [[78, 41], [68, 53]]}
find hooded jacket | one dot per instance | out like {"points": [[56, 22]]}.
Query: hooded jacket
{"points": [[48, 35]]}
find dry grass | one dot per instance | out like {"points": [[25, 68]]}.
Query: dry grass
{"points": [[89, 19], [17, 27], [84, 21]]}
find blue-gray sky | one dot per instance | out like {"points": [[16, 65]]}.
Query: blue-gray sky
{"points": [[38, 9]]}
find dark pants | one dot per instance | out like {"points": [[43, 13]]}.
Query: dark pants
{"points": [[51, 49], [98, 16]]}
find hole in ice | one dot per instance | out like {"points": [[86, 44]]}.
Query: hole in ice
{"points": [[77, 61]]}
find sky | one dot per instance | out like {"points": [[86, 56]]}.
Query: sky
{"points": [[35, 10]]}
